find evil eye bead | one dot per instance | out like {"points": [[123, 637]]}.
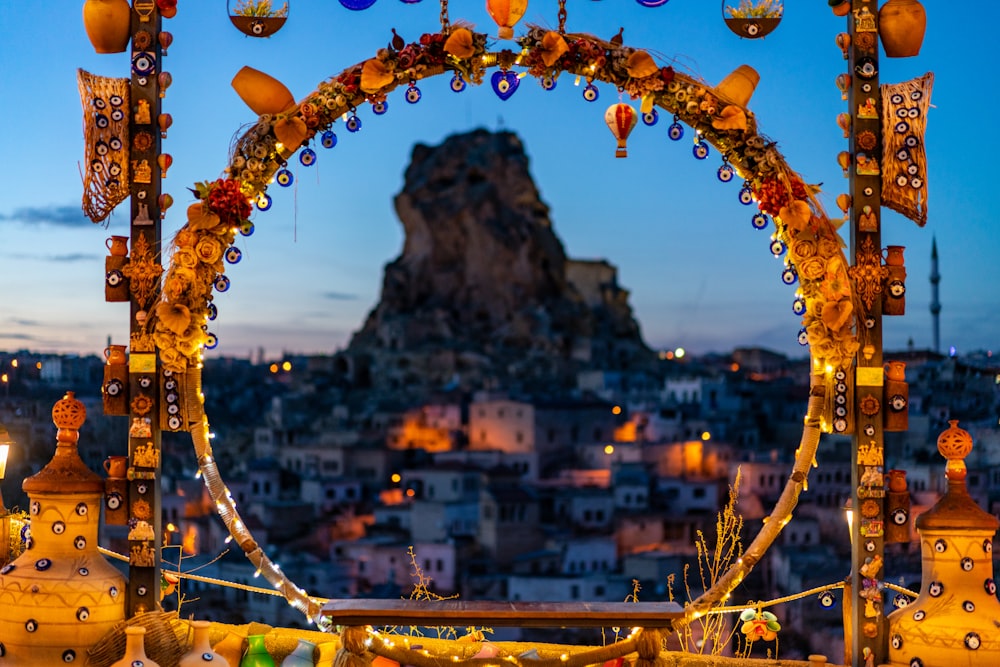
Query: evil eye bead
{"points": [[142, 488], [141, 590], [759, 220], [725, 173], [700, 150], [901, 113], [101, 148], [913, 112], [69, 655], [211, 341], [58, 527], [969, 606], [789, 276], [899, 517], [675, 131], [117, 115], [746, 196], [328, 139], [900, 601], [972, 641], [839, 425], [263, 201], [919, 615], [221, 283], [458, 83], [246, 228], [990, 586], [213, 311], [935, 589], [82, 614], [896, 642], [799, 306], [115, 144], [353, 123], [940, 546], [916, 183], [896, 98], [911, 141], [548, 82], [912, 169], [902, 180], [207, 657], [902, 127], [307, 157], [43, 564], [988, 546], [143, 63], [114, 278], [7, 569], [777, 247], [113, 501], [113, 591], [31, 625], [233, 255], [284, 178], [80, 542], [379, 108], [803, 337], [83, 572], [36, 507], [650, 117], [413, 94], [866, 68], [591, 93], [827, 599], [99, 103], [903, 154]]}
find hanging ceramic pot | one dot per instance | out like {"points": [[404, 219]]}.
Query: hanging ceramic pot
{"points": [[262, 92], [108, 24], [302, 656], [901, 26], [201, 652], [135, 651], [257, 655], [257, 19]]}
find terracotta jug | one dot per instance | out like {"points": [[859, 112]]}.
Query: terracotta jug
{"points": [[117, 245], [894, 255], [108, 24], [135, 650], [897, 481], [201, 652], [115, 354], [116, 466], [895, 370], [901, 25]]}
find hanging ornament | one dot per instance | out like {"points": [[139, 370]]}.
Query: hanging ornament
{"points": [[164, 120], [263, 201], [676, 130], [759, 220], [166, 39], [258, 18], [700, 149], [843, 84], [650, 117], [506, 13], [328, 139], [652, 3], [504, 83], [284, 178], [748, 22], [165, 201], [379, 108], [164, 160], [591, 93], [353, 123], [620, 118], [164, 79], [413, 93], [307, 157], [726, 171], [357, 5], [457, 83]]}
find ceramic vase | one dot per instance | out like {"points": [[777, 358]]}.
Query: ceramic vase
{"points": [[901, 26], [135, 651], [302, 656], [262, 92], [108, 24], [257, 655], [201, 652]]}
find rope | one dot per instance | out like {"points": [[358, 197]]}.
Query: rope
{"points": [[562, 17], [445, 23]]}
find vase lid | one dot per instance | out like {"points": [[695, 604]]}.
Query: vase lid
{"points": [[66, 472]]}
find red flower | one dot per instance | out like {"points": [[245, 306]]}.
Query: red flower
{"points": [[166, 4], [667, 74]]}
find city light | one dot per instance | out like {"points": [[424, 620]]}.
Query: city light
{"points": [[396, 478], [706, 436], [609, 449], [617, 410]]}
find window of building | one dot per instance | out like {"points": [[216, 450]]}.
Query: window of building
{"points": [[574, 592], [698, 492], [519, 437]]}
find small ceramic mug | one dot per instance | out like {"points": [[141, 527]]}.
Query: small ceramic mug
{"points": [[116, 466]]}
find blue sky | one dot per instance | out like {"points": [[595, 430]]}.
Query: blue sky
{"points": [[701, 277]]}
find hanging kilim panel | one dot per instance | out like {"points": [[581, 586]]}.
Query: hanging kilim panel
{"points": [[904, 158], [105, 130]]}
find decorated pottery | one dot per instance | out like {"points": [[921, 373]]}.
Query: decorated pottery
{"points": [[135, 649], [262, 92], [60, 596], [201, 652], [257, 655], [108, 24], [302, 656], [901, 26], [738, 86]]}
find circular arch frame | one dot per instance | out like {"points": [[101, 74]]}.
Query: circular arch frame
{"points": [[814, 251]]}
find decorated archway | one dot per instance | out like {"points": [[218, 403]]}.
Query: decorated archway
{"points": [[180, 323]]}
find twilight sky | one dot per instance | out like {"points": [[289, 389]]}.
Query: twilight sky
{"points": [[700, 276]]}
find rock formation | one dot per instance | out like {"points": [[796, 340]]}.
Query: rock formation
{"points": [[483, 293]]}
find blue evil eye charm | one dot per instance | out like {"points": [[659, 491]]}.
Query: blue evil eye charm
{"points": [[799, 306], [233, 255], [700, 150], [746, 196], [789, 275], [357, 5], [213, 311], [777, 247], [263, 201], [675, 131], [591, 93], [284, 178], [548, 82], [900, 601], [211, 341], [353, 123], [827, 599], [652, 3], [380, 108], [803, 337], [413, 94], [307, 157], [759, 220], [458, 83], [650, 117], [726, 173], [246, 228], [328, 139], [504, 84], [221, 283]]}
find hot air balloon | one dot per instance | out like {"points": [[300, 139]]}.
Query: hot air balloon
{"points": [[164, 160], [506, 13], [166, 39], [844, 160], [844, 42], [844, 123], [165, 201], [621, 118], [164, 79], [844, 202], [843, 84], [164, 120]]}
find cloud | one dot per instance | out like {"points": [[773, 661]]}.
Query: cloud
{"points": [[340, 296], [17, 336], [73, 257], [60, 216]]}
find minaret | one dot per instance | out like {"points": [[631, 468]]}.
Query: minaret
{"points": [[935, 301]]}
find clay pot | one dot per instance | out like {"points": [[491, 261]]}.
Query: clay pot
{"points": [[895, 370], [115, 354], [257, 655], [897, 481], [901, 25], [117, 245], [108, 24], [302, 656], [135, 651], [201, 652], [116, 466], [840, 7], [894, 255], [262, 92], [739, 85]]}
